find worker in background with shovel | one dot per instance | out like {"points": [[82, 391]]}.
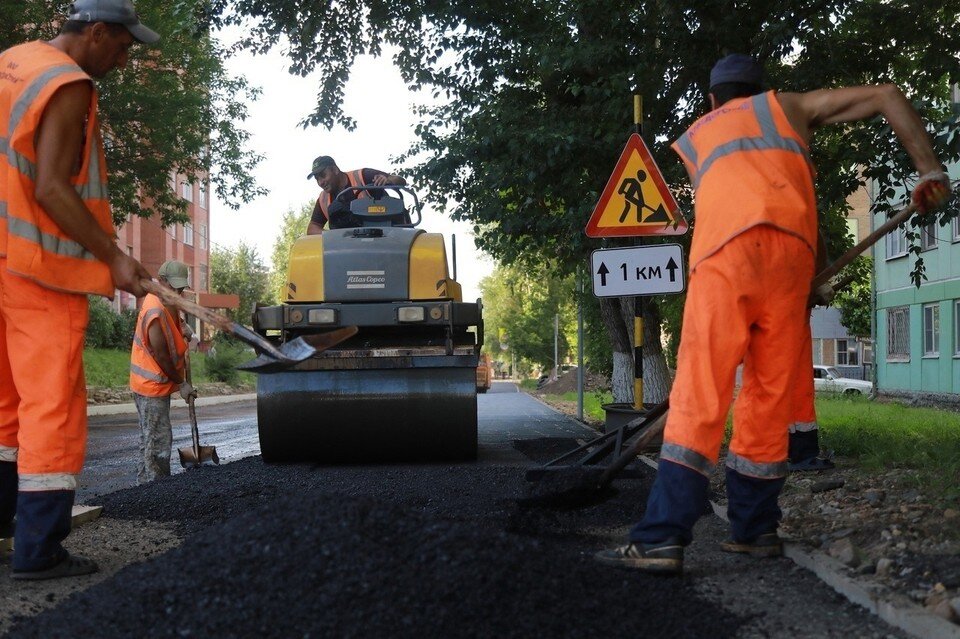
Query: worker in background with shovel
{"points": [[751, 263], [158, 370]]}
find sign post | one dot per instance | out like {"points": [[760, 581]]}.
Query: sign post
{"points": [[636, 202]]}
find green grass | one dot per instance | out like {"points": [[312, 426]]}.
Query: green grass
{"points": [[591, 403], [528, 384], [109, 368], [878, 435], [883, 435]]}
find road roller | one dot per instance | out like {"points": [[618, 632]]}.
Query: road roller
{"points": [[403, 388]]}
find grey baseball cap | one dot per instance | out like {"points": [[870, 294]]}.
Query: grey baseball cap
{"points": [[175, 273], [113, 11], [320, 164]]}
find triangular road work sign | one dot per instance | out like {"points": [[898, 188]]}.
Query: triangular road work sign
{"points": [[636, 200]]}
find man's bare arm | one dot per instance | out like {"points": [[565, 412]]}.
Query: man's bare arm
{"points": [[314, 229], [161, 354], [59, 143], [809, 111]]}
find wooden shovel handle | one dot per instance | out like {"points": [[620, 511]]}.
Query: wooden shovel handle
{"points": [[899, 218], [222, 322]]}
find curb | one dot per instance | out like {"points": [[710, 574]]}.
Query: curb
{"points": [[876, 599], [125, 409]]}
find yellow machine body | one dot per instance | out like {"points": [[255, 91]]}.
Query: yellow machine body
{"points": [[429, 277]]}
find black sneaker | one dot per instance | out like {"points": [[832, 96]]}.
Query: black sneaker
{"points": [[665, 557], [766, 545]]}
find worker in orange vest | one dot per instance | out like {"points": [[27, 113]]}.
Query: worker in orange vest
{"points": [[158, 370], [56, 247], [751, 263], [333, 181]]}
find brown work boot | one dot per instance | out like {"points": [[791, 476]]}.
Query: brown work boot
{"points": [[766, 545], [663, 558]]}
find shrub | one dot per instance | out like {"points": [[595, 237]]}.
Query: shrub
{"points": [[222, 359], [124, 326], [100, 326]]}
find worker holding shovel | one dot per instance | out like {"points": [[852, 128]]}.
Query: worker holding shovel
{"points": [[751, 263], [56, 247], [157, 371]]}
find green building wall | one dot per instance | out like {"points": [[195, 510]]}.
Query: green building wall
{"points": [[919, 374]]}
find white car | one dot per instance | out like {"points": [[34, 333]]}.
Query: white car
{"points": [[827, 379]]}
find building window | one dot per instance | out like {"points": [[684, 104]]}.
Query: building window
{"points": [[931, 330], [173, 181], [190, 276], [817, 356], [896, 243], [203, 277], [928, 236], [898, 333], [955, 227], [847, 353], [202, 196], [203, 236], [188, 234], [956, 327], [186, 191]]}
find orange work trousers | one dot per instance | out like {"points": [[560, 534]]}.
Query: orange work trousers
{"points": [[43, 395], [804, 417], [746, 303]]}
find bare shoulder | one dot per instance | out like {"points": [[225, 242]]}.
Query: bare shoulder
{"points": [[71, 99]]}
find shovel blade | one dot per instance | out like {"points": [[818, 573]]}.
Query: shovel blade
{"points": [[208, 457], [297, 350]]}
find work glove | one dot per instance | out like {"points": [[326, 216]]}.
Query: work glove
{"points": [[187, 391], [931, 192]]}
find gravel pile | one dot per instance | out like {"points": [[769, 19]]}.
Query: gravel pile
{"points": [[300, 551]]}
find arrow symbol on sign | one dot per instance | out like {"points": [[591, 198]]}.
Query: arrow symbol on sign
{"points": [[602, 272], [672, 267]]}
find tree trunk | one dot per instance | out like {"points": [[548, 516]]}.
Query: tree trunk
{"points": [[617, 314]]}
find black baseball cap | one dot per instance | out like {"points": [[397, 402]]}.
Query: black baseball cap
{"points": [[736, 67], [320, 164]]}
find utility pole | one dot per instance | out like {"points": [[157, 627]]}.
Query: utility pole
{"points": [[579, 346], [556, 346]]}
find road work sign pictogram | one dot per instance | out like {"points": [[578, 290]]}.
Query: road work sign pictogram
{"points": [[654, 269], [636, 199]]}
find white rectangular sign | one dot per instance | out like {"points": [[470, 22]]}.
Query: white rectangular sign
{"points": [[656, 269]]}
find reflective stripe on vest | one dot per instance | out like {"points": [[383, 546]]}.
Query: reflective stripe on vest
{"points": [[760, 470], [8, 453], [687, 457], [146, 376], [33, 243], [748, 167], [354, 178], [769, 139]]}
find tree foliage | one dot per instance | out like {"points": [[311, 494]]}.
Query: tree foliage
{"points": [[534, 98], [240, 272], [293, 226], [853, 301], [519, 311], [174, 108]]}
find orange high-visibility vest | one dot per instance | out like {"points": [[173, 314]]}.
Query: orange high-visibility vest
{"points": [[35, 246], [748, 167], [146, 376], [354, 178]]}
